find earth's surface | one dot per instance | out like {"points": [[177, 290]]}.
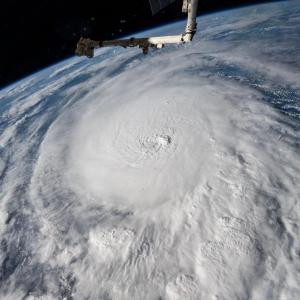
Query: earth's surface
{"points": [[174, 175]]}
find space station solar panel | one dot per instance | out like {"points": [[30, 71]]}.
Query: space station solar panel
{"points": [[157, 5]]}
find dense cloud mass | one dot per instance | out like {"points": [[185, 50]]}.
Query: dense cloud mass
{"points": [[174, 175]]}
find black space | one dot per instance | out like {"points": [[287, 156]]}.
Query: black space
{"points": [[38, 33]]}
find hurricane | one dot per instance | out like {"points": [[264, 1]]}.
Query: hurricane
{"points": [[174, 175]]}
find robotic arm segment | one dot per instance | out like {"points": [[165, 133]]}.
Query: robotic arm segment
{"points": [[86, 46]]}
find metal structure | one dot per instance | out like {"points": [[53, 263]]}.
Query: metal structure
{"points": [[86, 46]]}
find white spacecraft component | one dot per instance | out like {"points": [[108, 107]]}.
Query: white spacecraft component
{"points": [[86, 46]]}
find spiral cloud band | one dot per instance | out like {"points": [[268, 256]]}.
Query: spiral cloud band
{"points": [[170, 176]]}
